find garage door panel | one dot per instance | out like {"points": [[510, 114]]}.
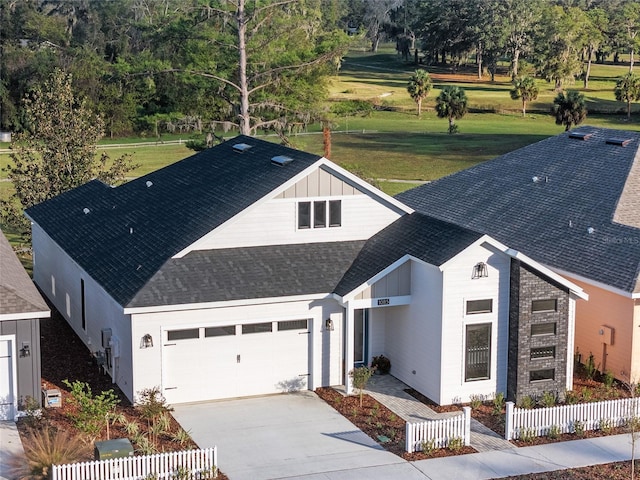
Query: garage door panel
{"points": [[262, 360]]}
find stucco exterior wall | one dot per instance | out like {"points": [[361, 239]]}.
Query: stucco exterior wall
{"points": [[606, 308]]}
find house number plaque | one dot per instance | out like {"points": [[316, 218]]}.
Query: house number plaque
{"points": [[383, 301]]}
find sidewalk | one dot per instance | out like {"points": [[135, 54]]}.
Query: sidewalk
{"points": [[497, 464], [10, 445]]}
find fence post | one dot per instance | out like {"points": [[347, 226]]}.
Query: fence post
{"points": [[508, 421], [408, 438], [467, 425]]}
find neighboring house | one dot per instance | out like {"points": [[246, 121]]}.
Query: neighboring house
{"points": [[572, 203], [21, 308], [251, 268]]}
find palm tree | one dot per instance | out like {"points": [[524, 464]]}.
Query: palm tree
{"points": [[451, 104], [628, 90], [526, 89], [569, 109], [419, 87]]}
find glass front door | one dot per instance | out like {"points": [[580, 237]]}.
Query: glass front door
{"points": [[360, 336]]}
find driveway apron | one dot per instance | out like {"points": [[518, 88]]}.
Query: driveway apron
{"points": [[280, 436]]}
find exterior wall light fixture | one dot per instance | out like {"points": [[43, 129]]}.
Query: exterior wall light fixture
{"points": [[146, 341], [480, 270], [328, 325]]}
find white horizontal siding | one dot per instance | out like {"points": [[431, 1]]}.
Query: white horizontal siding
{"points": [[412, 332], [459, 287], [275, 223]]}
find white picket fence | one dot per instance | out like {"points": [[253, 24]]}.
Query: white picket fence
{"points": [[440, 432], [567, 418], [200, 465]]}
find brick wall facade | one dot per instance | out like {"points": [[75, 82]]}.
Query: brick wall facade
{"points": [[526, 287]]}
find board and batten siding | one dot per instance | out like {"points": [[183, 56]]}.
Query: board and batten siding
{"points": [[325, 349], [275, 221], [458, 288], [412, 332], [59, 278], [28, 368], [395, 283]]}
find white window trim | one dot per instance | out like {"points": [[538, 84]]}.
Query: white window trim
{"points": [[482, 315]]}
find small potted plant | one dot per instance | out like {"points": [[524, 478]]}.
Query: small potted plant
{"points": [[381, 364]]}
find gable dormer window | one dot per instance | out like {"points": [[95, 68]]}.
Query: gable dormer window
{"points": [[319, 214]]}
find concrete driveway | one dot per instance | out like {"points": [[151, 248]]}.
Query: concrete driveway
{"points": [[286, 436]]}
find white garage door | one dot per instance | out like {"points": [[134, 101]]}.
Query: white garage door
{"points": [[7, 379], [207, 363]]}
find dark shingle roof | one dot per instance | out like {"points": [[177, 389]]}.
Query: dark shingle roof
{"points": [[421, 236], [130, 231], [577, 186], [18, 294], [253, 272]]}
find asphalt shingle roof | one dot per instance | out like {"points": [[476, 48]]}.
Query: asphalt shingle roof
{"points": [[252, 272], [18, 294], [130, 231], [431, 240], [543, 200]]}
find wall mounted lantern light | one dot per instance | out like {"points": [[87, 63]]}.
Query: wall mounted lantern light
{"points": [[480, 270], [25, 351], [146, 341], [328, 325]]}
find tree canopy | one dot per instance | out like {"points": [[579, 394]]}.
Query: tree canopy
{"points": [[452, 105], [419, 87], [58, 151], [628, 90], [569, 109], [526, 89]]}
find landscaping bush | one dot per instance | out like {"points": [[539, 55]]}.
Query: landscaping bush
{"points": [[381, 364]]}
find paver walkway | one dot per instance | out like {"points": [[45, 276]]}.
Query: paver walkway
{"points": [[390, 392]]}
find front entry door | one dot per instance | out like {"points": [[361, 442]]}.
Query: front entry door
{"points": [[360, 337]]}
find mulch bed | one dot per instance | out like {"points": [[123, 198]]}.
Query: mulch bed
{"points": [[376, 420], [608, 471]]}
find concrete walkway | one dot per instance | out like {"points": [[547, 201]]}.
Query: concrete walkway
{"points": [[390, 392], [10, 446]]}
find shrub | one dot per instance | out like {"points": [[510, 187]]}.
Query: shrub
{"points": [[572, 397], [428, 446], [360, 376], [47, 447], [548, 399], [526, 402], [34, 415], [498, 403], [475, 400], [527, 435], [553, 432], [455, 444], [578, 428], [381, 364], [92, 413], [608, 379], [153, 408], [590, 367], [605, 425]]}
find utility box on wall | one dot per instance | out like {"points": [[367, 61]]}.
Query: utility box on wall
{"points": [[116, 448], [607, 334], [51, 398]]}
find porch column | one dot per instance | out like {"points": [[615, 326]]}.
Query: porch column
{"points": [[348, 347]]}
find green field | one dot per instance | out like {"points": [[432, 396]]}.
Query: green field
{"points": [[393, 143]]}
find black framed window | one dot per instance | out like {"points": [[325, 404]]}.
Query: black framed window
{"points": [[257, 328], [220, 331], [546, 305], [319, 214], [292, 325], [304, 215], [542, 375], [543, 329], [543, 352], [479, 306], [478, 352], [335, 213], [184, 334]]}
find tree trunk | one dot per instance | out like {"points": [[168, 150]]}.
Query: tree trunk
{"points": [[628, 109], [514, 63], [419, 107], [631, 60], [245, 119], [588, 72], [450, 124], [479, 61], [524, 107], [326, 139]]}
